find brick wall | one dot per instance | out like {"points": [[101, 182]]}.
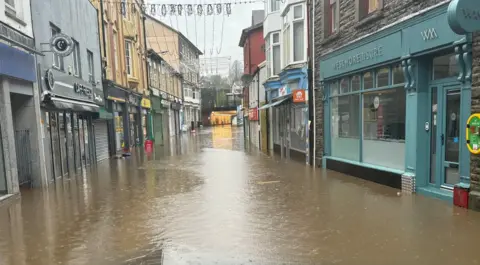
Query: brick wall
{"points": [[475, 159], [349, 30]]}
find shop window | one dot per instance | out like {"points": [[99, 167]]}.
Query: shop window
{"points": [[382, 77], [384, 128], [367, 80], [355, 83], [345, 126], [398, 76], [445, 66], [344, 87], [297, 128], [334, 88]]}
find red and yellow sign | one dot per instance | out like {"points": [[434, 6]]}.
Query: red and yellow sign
{"points": [[299, 96]]}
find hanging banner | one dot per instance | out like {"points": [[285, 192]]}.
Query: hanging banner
{"points": [[473, 134]]}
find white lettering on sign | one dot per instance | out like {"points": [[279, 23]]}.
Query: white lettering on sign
{"points": [[81, 89], [429, 34], [359, 58]]}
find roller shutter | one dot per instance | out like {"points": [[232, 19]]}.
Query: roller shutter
{"points": [[101, 139]]}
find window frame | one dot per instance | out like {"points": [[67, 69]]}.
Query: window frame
{"points": [[77, 66], [362, 9], [128, 58], [391, 85], [91, 66], [271, 4], [331, 20], [288, 21], [55, 57]]}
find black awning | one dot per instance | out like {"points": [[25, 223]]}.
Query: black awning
{"points": [[65, 104]]}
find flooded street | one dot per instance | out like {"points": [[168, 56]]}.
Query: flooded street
{"points": [[208, 200]]}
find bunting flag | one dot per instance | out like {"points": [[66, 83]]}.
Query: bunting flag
{"points": [[179, 9]]}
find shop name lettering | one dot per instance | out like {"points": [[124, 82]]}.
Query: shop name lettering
{"points": [[471, 14], [359, 58], [81, 89], [429, 34]]}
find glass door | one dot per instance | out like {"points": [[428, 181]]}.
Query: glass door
{"points": [[445, 136], [451, 137]]}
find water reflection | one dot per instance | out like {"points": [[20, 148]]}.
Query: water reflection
{"points": [[200, 199]]}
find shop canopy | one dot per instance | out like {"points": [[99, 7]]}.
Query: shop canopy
{"points": [[65, 104], [276, 103]]}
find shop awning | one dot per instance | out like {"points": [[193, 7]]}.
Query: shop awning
{"points": [[66, 104], [273, 104]]}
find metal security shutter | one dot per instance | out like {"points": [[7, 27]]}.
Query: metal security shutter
{"points": [[101, 139]]}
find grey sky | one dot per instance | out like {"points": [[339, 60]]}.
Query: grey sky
{"points": [[213, 43]]}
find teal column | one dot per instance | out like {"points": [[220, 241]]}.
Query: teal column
{"points": [[464, 59]]}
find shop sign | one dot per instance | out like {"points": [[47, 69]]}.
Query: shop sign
{"points": [[165, 103], [299, 96], [253, 114], [114, 93], [358, 58], [464, 16], [61, 44], [155, 92], [473, 133], [133, 99], [282, 91], [146, 103], [68, 86], [82, 89], [175, 106]]}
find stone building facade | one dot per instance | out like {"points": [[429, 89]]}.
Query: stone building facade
{"points": [[475, 108], [393, 94]]}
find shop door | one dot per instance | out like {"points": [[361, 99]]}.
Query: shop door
{"points": [[445, 136], [284, 120], [158, 128]]}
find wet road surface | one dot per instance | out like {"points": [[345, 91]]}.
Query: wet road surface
{"points": [[209, 200]]}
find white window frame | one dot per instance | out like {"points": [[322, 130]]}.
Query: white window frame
{"points": [[273, 3], [128, 58], [272, 45], [91, 66], [289, 16], [77, 68]]}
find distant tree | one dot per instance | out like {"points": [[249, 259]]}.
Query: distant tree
{"points": [[236, 72]]}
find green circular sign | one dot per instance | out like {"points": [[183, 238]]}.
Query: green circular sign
{"points": [[473, 133]]}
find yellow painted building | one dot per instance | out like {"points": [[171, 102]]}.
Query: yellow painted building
{"points": [[124, 72], [123, 43]]}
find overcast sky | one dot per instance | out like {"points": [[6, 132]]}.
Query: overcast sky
{"points": [[213, 43]]}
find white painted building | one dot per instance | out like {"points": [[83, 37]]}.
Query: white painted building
{"points": [[21, 160]]}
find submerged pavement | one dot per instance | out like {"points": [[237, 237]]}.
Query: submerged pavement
{"points": [[205, 199]]}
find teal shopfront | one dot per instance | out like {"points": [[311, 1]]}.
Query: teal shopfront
{"points": [[395, 106]]}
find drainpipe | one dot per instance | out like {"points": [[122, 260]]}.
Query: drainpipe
{"points": [[149, 118], [311, 90], [104, 71]]}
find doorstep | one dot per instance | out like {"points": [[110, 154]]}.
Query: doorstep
{"points": [[436, 192]]}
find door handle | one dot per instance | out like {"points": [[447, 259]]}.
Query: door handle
{"points": [[442, 138]]}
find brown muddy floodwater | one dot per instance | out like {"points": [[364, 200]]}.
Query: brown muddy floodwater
{"points": [[208, 200]]}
